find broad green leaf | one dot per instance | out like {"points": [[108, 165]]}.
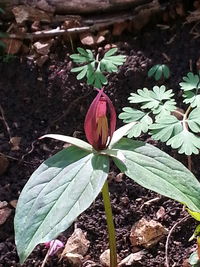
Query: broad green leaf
{"points": [[71, 140], [119, 133], [165, 127], [194, 120], [57, 192], [190, 82], [186, 142], [155, 170]]}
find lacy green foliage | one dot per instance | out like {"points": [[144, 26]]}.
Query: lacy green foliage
{"points": [[93, 68], [161, 118], [159, 71]]}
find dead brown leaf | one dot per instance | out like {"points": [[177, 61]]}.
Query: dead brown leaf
{"points": [[12, 45]]}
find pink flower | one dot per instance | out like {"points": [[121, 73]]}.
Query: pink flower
{"points": [[98, 128], [54, 246]]}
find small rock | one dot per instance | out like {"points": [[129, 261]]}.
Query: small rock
{"points": [[147, 233], [3, 164], [87, 38], [119, 177], [41, 60], [160, 213], [5, 212], [15, 141], [77, 243], [74, 259], [105, 258], [132, 258], [43, 48]]}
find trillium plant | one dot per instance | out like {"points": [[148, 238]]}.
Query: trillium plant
{"points": [[67, 183]]}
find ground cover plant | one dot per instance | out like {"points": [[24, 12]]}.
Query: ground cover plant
{"points": [[93, 68], [165, 121], [67, 183], [38, 101]]}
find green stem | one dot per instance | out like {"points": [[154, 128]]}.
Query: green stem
{"points": [[110, 225]]}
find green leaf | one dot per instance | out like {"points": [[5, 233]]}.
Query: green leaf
{"points": [[165, 109], [57, 192], [190, 82], [71, 140], [166, 71], [109, 62], [110, 52], [84, 56], [186, 142], [99, 79], [155, 170], [142, 126], [196, 216], [165, 127], [153, 70], [143, 121], [191, 98], [131, 114], [158, 71], [151, 99], [194, 120]]}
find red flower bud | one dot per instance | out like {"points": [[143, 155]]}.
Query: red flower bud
{"points": [[98, 128]]}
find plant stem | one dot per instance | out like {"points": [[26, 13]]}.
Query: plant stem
{"points": [[110, 225]]}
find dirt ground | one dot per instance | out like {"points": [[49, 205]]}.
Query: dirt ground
{"points": [[36, 101]]}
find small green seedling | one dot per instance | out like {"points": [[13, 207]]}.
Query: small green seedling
{"points": [[163, 120], [159, 71], [93, 68]]}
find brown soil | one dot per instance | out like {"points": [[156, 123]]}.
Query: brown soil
{"points": [[50, 100]]}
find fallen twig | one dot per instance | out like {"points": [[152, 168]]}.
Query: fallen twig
{"points": [[5, 122], [168, 238]]}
